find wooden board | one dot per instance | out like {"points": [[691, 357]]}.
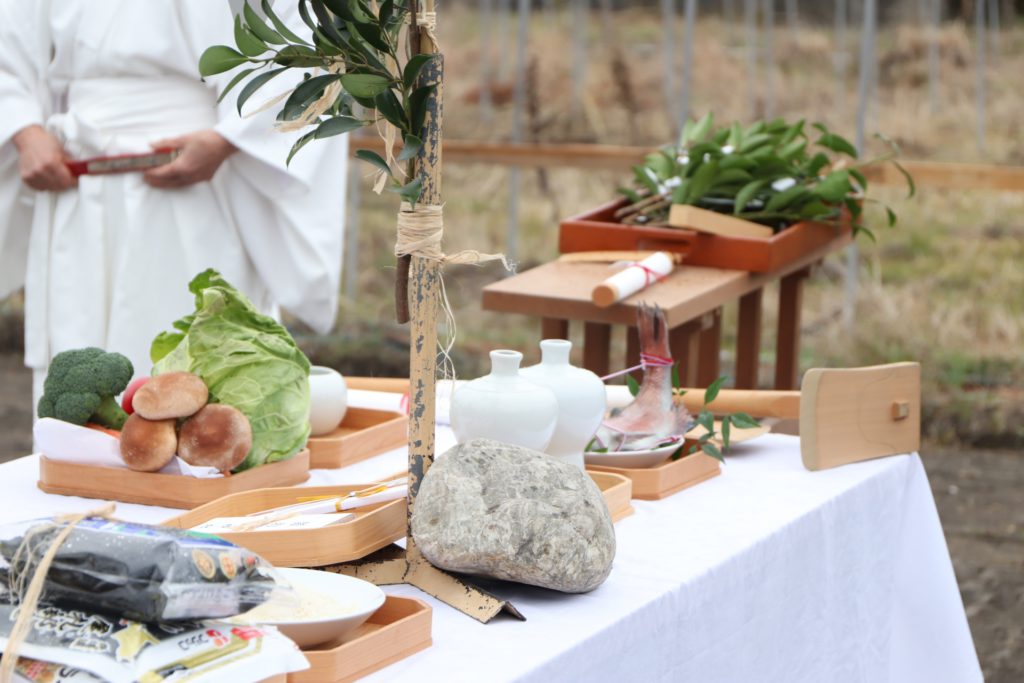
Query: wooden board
{"points": [[373, 528], [848, 415], [715, 223], [165, 490], [401, 627], [655, 483], [617, 491], [363, 434]]}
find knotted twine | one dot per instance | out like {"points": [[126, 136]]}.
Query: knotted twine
{"points": [[420, 230], [28, 598]]}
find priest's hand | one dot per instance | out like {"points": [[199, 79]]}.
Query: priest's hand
{"points": [[41, 160], [200, 155]]}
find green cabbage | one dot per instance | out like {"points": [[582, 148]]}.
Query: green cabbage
{"points": [[248, 360]]}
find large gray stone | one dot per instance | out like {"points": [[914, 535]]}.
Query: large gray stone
{"points": [[511, 513]]}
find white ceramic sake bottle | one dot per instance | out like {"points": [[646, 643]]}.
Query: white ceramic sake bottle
{"points": [[504, 407], [581, 400]]}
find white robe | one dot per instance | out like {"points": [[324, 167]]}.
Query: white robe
{"points": [[108, 264]]}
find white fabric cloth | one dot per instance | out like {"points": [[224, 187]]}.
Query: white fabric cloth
{"points": [[767, 573], [108, 263]]}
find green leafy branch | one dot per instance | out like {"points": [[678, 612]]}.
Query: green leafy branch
{"points": [[770, 172], [358, 48], [705, 442]]}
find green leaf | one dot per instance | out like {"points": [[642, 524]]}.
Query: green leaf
{"points": [[891, 215], [837, 144], [340, 8], [374, 159], [410, 192], [743, 421], [711, 393], [675, 375], [859, 177], [372, 34], [312, 88], [364, 85], [816, 210], [281, 27], [337, 126], [247, 42], [411, 148], [787, 198], [791, 133], [262, 31], [706, 420], [413, 68], [631, 195], [817, 162], [299, 57], [712, 450], [697, 131], [835, 187], [255, 84], [726, 429], [752, 142], [701, 181], [388, 106], [418, 107], [735, 135], [747, 193], [634, 386], [792, 150], [218, 59], [911, 187], [325, 24], [235, 81], [299, 144]]}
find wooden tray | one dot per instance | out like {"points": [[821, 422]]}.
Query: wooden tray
{"points": [[401, 627], [617, 491], [655, 483], [373, 528], [165, 490], [363, 434], [597, 230]]}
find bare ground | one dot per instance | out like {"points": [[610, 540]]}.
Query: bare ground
{"points": [[979, 495]]}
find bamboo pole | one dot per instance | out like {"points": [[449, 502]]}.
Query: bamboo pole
{"points": [[668, 58], [687, 85]]}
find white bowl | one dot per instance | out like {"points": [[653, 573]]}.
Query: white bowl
{"points": [[633, 459], [328, 400], [359, 598]]}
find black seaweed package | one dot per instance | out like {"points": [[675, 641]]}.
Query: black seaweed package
{"points": [[136, 571]]}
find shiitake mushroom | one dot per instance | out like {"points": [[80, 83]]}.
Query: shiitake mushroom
{"points": [[148, 445], [218, 436], [173, 395]]}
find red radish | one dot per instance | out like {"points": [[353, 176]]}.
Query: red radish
{"points": [[129, 393]]}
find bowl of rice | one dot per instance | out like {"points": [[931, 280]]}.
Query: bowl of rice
{"points": [[322, 608]]}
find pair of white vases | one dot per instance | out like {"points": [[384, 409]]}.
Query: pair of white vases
{"points": [[552, 407]]}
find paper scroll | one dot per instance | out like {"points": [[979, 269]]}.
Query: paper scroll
{"points": [[632, 279]]}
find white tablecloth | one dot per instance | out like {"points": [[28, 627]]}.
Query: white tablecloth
{"points": [[766, 573]]}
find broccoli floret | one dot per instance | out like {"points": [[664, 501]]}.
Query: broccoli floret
{"points": [[81, 384]]}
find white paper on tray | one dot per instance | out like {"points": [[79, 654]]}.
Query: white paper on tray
{"points": [[66, 442]]}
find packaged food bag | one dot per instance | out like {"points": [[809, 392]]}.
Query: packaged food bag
{"points": [[136, 571], [75, 646]]}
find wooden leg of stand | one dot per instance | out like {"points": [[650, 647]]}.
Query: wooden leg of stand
{"points": [[684, 342], [596, 347], [710, 365], [787, 348], [554, 328], [748, 340]]}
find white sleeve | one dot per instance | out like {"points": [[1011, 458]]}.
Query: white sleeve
{"points": [[24, 99]]}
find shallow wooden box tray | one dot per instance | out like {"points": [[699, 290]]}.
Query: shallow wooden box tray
{"points": [[362, 434], [597, 230], [617, 491], [373, 528], [655, 483], [401, 627], [165, 490]]}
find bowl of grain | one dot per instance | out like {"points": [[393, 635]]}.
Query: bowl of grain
{"points": [[322, 608]]}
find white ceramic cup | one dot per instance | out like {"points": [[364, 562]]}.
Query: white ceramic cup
{"points": [[328, 403]]}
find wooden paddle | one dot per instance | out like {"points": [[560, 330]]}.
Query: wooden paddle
{"points": [[846, 414]]}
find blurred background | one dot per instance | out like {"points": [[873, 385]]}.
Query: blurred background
{"points": [[945, 286]]}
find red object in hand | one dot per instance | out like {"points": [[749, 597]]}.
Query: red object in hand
{"points": [[129, 394], [122, 163]]}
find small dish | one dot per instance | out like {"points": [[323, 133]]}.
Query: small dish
{"points": [[357, 601], [633, 459]]}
